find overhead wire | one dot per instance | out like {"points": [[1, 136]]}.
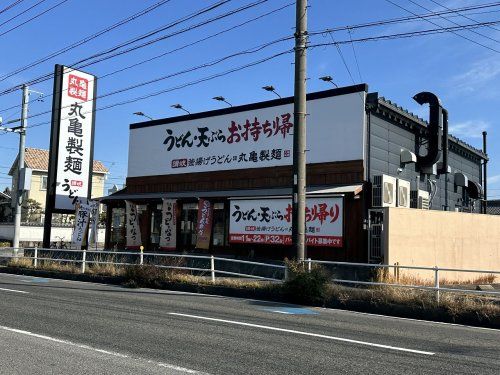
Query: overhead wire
{"points": [[456, 23], [79, 64], [17, 2], [23, 12], [182, 47], [459, 13], [184, 71], [370, 24], [436, 24], [33, 18], [85, 40]]}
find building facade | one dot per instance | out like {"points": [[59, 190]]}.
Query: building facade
{"points": [[38, 161], [239, 160]]}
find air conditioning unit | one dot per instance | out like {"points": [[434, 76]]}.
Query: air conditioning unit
{"points": [[403, 197], [384, 191], [420, 199]]}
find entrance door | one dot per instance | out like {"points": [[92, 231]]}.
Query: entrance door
{"points": [[189, 217]]}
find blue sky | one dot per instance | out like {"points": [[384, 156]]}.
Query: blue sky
{"points": [[465, 75]]}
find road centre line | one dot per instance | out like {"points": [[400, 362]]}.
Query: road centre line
{"points": [[14, 291], [91, 348], [310, 334]]}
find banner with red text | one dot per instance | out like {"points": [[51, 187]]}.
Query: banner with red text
{"points": [[168, 236], [269, 221], [204, 226]]}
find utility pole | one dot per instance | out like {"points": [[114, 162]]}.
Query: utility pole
{"points": [[299, 132], [18, 192]]}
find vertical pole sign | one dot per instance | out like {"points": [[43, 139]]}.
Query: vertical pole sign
{"points": [[71, 143]]}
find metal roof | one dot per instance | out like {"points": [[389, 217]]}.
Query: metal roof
{"points": [[311, 191]]}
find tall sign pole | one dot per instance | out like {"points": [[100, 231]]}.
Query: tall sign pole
{"points": [[299, 132], [20, 166], [71, 144]]}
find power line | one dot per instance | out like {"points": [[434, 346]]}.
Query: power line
{"points": [[189, 70], [177, 49], [175, 23], [436, 24], [457, 12], [23, 12], [407, 18], [33, 18], [456, 23], [410, 34], [355, 55], [10, 6], [342, 57], [192, 83], [85, 40]]}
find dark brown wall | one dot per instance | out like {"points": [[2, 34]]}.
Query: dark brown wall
{"points": [[347, 172]]}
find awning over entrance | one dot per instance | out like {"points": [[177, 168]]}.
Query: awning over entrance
{"points": [[311, 191]]}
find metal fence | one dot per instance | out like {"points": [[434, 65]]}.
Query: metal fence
{"points": [[354, 274], [200, 264]]}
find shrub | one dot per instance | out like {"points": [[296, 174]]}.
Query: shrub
{"points": [[4, 244], [144, 276], [306, 287]]}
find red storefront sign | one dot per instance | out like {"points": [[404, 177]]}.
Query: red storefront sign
{"points": [[269, 221]]}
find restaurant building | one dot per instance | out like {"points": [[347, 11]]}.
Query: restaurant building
{"points": [[220, 181]]}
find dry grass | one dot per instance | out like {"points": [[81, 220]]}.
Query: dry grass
{"points": [[406, 278], [315, 288]]}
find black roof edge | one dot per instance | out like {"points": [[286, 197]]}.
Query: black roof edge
{"points": [[248, 107]]}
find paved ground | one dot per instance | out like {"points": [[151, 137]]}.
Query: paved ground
{"points": [[57, 327]]}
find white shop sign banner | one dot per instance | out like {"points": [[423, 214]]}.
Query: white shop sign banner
{"points": [[82, 217], [75, 139], [168, 237], [94, 223], [269, 221], [133, 229], [249, 139]]}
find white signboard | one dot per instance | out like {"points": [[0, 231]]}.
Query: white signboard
{"points": [[168, 237], [81, 221], [73, 178], [133, 229], [250, 139], [269, 221]]}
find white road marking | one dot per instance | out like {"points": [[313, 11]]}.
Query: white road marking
{"points": [[14, 290], [305, 334], [91, 348]]}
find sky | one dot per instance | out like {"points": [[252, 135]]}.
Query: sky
{"points": [[464, 71]]}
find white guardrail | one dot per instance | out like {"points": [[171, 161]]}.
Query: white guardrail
{"points": [[12, 253]]}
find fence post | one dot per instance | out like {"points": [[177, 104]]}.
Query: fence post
{"points": [[84, 258], [436, 282], [141, 261], [309, 265], [35, 262], [212, 268]]}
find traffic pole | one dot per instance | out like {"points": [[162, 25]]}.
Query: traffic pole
{"points": [[18, 192], [299, 132]]}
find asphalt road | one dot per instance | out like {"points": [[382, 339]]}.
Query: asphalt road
{"points": [[65, 327]]}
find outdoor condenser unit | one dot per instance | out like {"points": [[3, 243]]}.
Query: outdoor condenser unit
{"points": [[403, 197], [384, 191], [420, 199]]}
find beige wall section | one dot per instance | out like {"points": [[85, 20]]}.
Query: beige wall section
{"points": [[444, 239], [39, 194]]}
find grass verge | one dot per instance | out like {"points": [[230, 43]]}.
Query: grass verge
{"points": [[302, 287]]}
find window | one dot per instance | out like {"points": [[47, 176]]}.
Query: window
{"points": [[43, 183], [218, 225]]}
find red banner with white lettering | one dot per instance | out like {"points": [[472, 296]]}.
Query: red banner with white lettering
{"points": [[204, 226]]}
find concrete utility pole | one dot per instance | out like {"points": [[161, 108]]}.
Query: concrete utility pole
{"points": [[299, 132], [19, 193]]}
